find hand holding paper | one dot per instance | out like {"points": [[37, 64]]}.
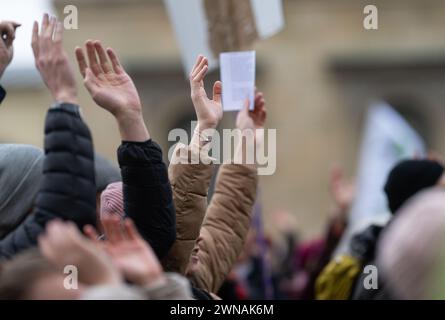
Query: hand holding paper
{"points": [[238, 78]]}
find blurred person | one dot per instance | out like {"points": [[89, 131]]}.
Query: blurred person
{"points": [[106, 173], [145, 189], [410, 255], [112, 201], [405, 180], [210, 238], [103, 267], [20, 177], [67, 189], [313, 256]]}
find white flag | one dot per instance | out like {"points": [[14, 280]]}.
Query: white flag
{"points": [[387, 139]]}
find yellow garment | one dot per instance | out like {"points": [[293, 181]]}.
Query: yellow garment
{"points": [[336, 280]]}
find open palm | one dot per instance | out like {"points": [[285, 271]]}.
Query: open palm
{"points": [[133, 257], [108, 83]]}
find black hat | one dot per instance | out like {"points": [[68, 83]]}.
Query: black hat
{"points": [[409, 177]]}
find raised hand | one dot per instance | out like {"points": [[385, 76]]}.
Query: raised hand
{"points": [[108, 83], [255, 119], [209, 112], [342, 191], [251, 123], [112, 89], [7, 31], [52, 61], [63, 245], [129, 252]]}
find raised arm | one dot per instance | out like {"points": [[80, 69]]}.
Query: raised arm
{"points": [[228, 216], [68, 187], [146, 188], [190, 170]]}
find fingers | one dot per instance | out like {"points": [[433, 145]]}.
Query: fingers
{"points": [[53, 236], [200, 71], [81, 61], [259, 98], [115, 61], [44, 246], [197, 75], [45, 23], [92, 59], [198, 61], [263, 116], [49, 31], [260, 102], [91, 233], [58, 33], [113, 229], [217, 91], [105, 65], [131, 230], [259, 113], [260, 107], [35, 39], [98, 67]]}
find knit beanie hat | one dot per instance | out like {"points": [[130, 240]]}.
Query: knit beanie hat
{"points": [[20, 176], [410, 250], [409, 177], [106, 172], [112, 201]]}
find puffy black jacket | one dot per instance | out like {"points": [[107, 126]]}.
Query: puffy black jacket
{"points": [[68, 189], [147, 192], [363, 247]]}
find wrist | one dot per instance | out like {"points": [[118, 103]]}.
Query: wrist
{"points": [[68, 96], [132, 127], [206, 125], [202, 135], [128, 116]]}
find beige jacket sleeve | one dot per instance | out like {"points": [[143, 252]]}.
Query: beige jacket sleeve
{"points": [[226, 224], [190, 184]]}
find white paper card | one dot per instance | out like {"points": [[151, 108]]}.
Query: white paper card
{"points": [[238, 79]]}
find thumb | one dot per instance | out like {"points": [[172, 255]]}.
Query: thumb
{"points": [[217, 91]]}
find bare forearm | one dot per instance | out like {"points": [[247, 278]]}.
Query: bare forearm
{"points": [[133, 128]]}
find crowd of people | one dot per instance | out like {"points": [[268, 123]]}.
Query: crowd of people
{"points": [[72, 226]]}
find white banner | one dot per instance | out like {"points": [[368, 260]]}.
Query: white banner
{"points": [[387, 139]]}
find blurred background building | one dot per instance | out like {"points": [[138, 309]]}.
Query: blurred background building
{"points": [[319, 75]]}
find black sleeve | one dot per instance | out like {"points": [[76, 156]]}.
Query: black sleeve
{"points": [[2, 94], [68, 189], [147, 193]]}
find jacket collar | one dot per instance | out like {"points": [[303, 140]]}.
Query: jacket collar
{"points": [[2, 94]]}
